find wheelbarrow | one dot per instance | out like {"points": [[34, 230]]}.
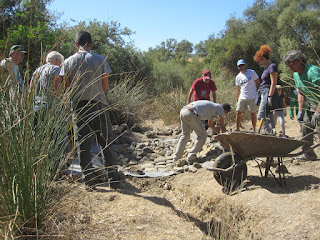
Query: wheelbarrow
{"points": [[230, 169]]}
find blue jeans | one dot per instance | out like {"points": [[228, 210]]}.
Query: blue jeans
{"points": [[265, 110], [280, 114]]}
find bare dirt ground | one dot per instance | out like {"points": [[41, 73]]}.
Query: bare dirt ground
{"points": [[193, 206]]}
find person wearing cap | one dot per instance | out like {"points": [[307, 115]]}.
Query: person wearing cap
{"points": [[247, 82], [307, 81], [281, 111], [202, 87], [191, 116], [86, 77], [46, 80], [10, 66]]}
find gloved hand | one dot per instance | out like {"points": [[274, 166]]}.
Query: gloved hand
{"points": [[6, 64], [269, 101], [300, 116]]}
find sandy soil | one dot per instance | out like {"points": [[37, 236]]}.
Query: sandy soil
{"points": [[194, 206]]}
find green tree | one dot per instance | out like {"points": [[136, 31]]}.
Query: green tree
{"points": [[109, 39], [299, 22], [183, 51], [29, 23]]}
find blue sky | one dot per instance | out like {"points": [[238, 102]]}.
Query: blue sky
{"points": [[156, 21]]}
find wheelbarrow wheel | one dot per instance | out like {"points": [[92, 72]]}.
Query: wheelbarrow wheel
{"points": [[233, 178]]}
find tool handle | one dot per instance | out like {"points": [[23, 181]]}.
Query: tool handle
{"points": [[260, 124]]}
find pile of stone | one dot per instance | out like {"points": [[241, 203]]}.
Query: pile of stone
{"points": [[146, 152]]}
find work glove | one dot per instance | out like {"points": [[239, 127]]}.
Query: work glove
{"points": [[269, 101], [300, 116], [6, 64]]}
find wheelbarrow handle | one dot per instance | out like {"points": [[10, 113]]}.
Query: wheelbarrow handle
{"points": [[214, 169]]}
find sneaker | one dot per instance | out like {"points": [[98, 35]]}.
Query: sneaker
{"points": [[115, 174], [284, 136], [192, 157], [181, 163], [115, 185], [305, 157]]}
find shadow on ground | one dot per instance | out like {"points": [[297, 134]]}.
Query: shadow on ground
{"points": [[293, 184]]}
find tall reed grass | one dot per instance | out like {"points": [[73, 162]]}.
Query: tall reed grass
{"points": [[168, 105], [128, 100], [32, 149]]}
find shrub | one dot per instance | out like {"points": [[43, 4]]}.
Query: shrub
{"points": [[168, 105], [127, 100], [166, 76]]}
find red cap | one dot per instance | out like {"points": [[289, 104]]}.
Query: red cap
{"points": [[207, 73]]}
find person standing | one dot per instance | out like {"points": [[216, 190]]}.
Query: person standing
{"points": [[247, 82], [280, 111], [307, 81], [86, 76], [294, 104], [13, 79], [202, 87], [46, 79], [268, 98], [191, 116]]}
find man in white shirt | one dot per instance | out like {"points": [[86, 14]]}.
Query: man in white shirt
{"points": [[247, 82]]}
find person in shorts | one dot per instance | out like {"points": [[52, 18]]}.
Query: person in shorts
{"points": [[247, 82]]}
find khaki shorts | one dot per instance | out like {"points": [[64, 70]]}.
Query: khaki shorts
{"points": [[243, 104]]}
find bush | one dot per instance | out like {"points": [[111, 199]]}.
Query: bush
{"points": [[166, 76], [168, 105], [127, 100], [226, 92]]}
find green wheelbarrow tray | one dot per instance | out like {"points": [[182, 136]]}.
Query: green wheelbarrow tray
{"points": [[251, 145]]}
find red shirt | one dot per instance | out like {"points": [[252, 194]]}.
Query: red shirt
{"points": [[202, 89]]}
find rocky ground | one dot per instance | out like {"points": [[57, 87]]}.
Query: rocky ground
{"points": [[159, 200]]}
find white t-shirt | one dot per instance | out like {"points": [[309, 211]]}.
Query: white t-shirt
{"points": [[246, 81]]}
